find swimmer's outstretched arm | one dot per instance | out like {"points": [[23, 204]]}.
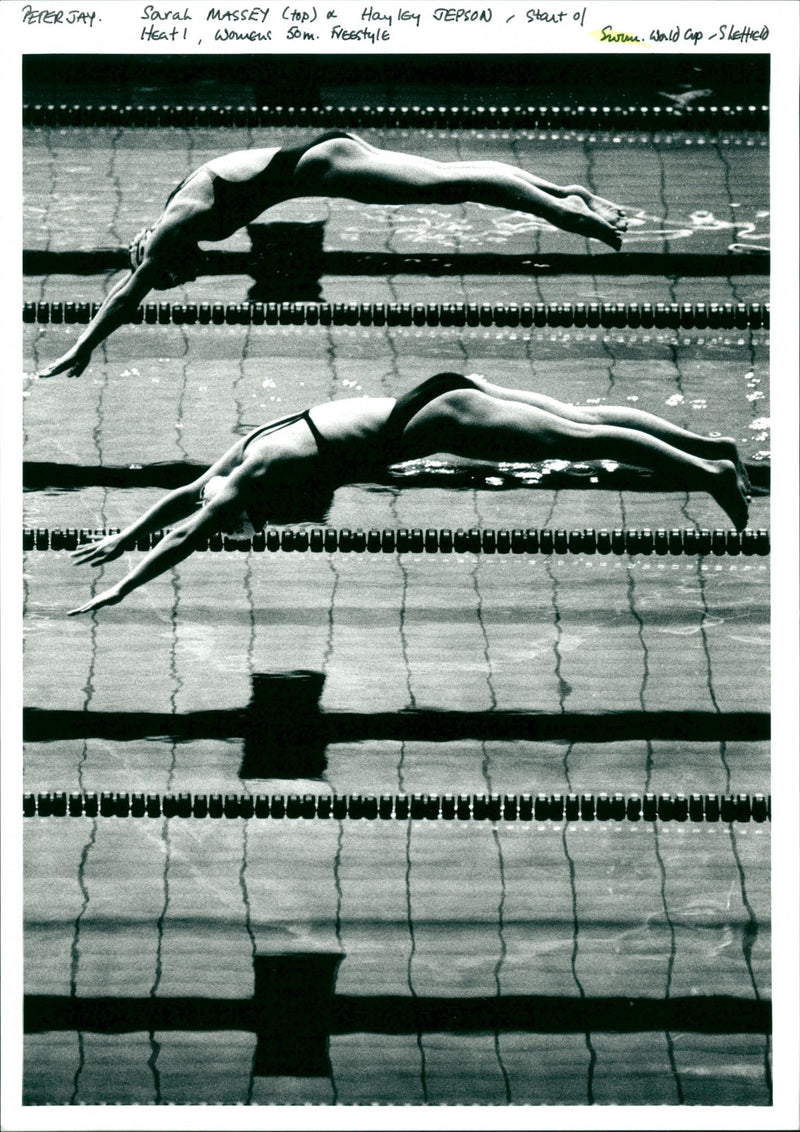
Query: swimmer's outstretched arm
{"points": [[176, 545], [174, 506], [126, 295], [168, 511], [117, 307]]}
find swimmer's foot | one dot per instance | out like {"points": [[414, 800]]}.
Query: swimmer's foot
{"points": [[729, 451], [579, 217], [613, 214], [727, 489]]}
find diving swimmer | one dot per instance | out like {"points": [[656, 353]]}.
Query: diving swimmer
{"points": [[354, 439], [230, 191]]}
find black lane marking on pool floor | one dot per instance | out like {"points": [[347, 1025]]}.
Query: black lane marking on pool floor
{"points": [[269, 725], [293, 995], [288, 737], [399, 1014], [436, 264], [41, 475], [293, 1026]]}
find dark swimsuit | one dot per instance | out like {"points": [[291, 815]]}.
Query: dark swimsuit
{"points": [[238, 202], [390, 437], [407, 407], [311, 496]]}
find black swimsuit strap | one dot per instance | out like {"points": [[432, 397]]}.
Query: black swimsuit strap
{"points": [[284, 422], [273, 426], [239, 202], [322, 441]]}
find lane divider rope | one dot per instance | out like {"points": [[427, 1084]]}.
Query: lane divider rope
{"points": [[431, 807], [659, 316], [696, 117], [442, 541]]}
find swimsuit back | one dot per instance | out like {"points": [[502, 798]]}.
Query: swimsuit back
{"points": [[239, 202], [312, 494]]}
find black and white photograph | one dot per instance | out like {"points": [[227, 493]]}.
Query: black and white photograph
{"points": [[400, 705]]}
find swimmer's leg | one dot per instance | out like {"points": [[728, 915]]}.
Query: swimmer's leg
{"points": [[606, 209], [614, 214], [707, 447], [348, 167], [478, 426]]}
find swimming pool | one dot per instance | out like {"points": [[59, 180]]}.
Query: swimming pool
{"points": [[486, 957]]}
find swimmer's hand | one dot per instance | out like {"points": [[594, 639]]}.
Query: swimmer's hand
{"points": [[96, 553], [108, 597], [73, 363]]}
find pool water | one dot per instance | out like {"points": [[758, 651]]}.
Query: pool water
{"points": [[356, 961]]}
